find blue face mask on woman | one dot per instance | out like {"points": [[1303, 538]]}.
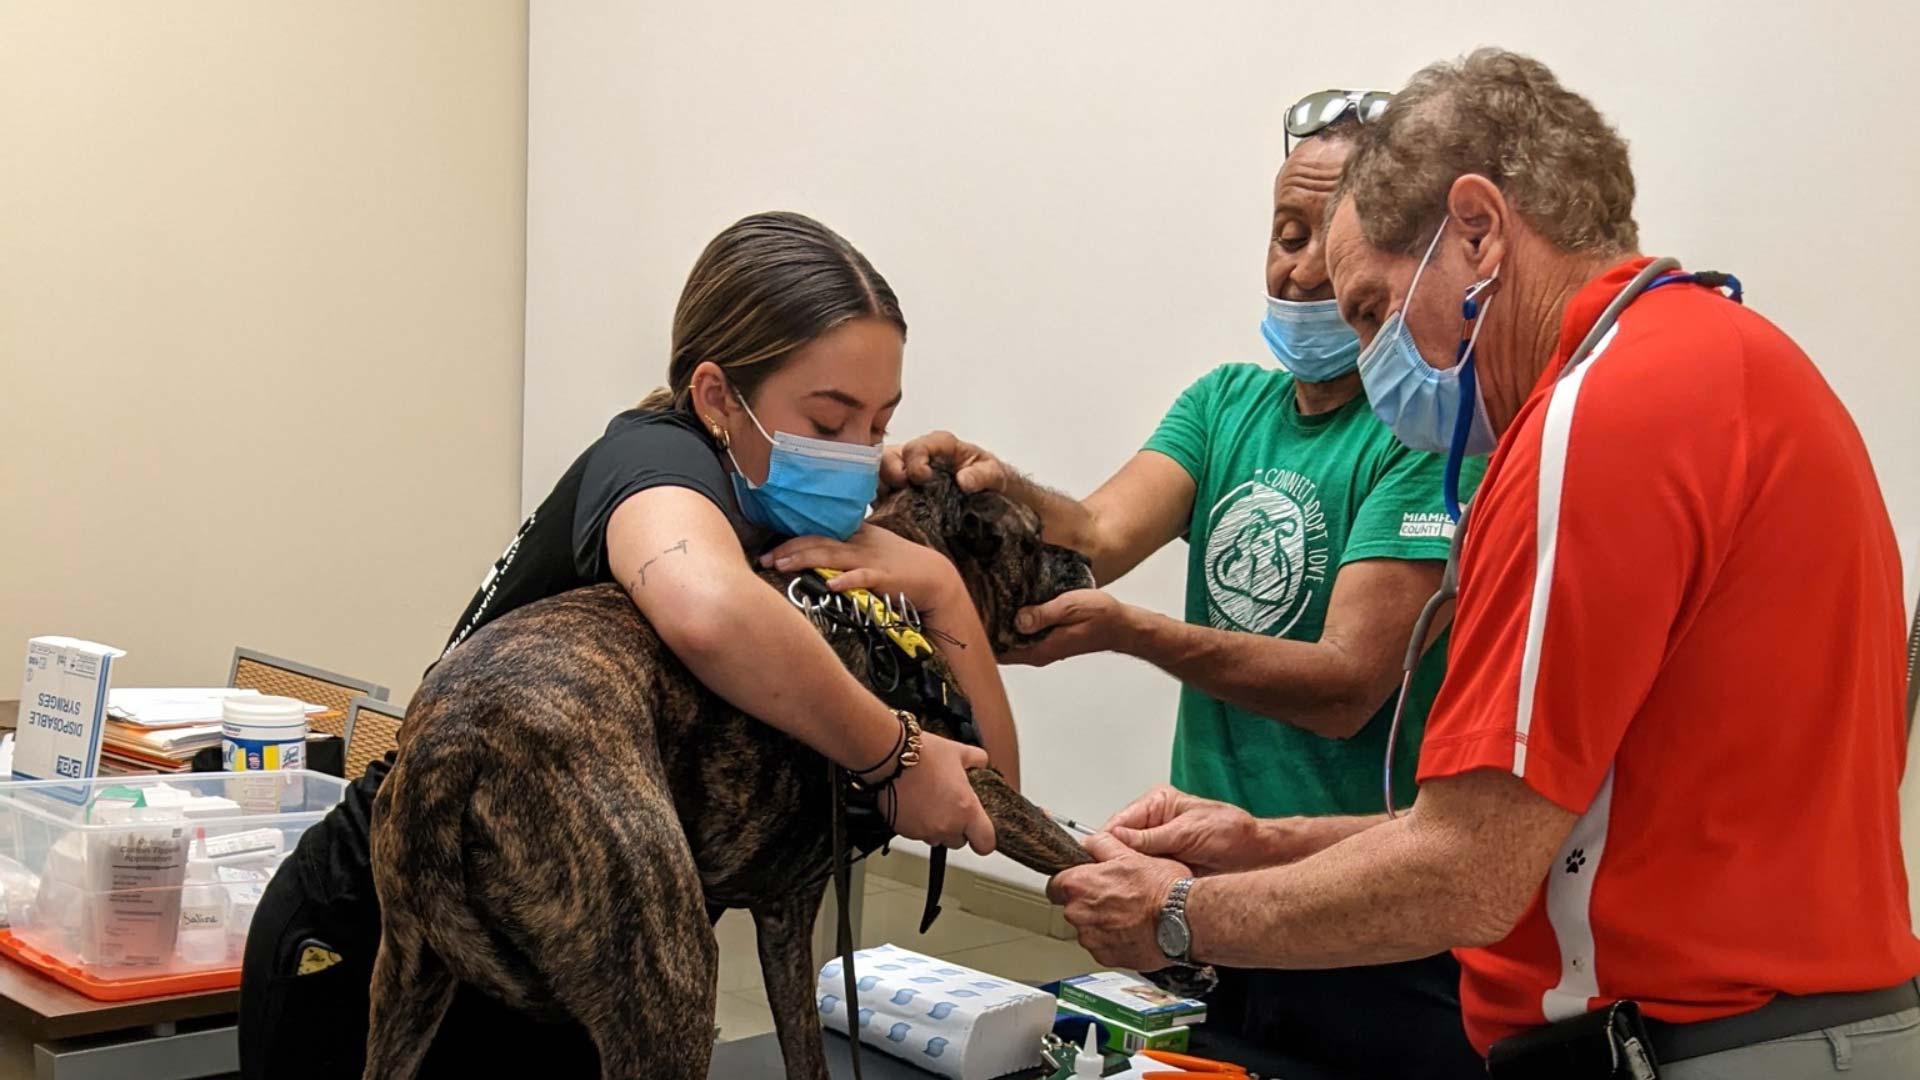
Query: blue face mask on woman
{"points": [[1310, 339], [814, 487], [1422, 403]]}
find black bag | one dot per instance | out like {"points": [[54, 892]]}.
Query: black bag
{"points": [[1605, 1044]]}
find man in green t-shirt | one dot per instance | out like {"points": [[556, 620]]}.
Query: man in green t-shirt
{"points": [[1314, 538]]}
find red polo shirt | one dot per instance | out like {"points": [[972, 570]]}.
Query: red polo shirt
{"points": [[1680, 617]]}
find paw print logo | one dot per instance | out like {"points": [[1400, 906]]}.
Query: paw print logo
{"points": [[1576, 859]]}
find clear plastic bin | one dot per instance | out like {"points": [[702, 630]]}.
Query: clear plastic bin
{"points": [[132, 886]]}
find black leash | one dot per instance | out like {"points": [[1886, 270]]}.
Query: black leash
{"points": [[842, 888], [903, 681]]}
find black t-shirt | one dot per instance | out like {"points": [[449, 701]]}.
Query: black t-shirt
{"points": [[563, 544]]}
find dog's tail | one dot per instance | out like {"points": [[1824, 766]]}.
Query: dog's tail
{"points": [[420, 848]]}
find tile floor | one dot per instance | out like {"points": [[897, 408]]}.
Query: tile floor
{"points": [[893, 915]]}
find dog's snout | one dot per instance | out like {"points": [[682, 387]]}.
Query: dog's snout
{"points": [[1069, 569]]}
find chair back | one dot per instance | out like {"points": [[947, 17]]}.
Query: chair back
{"points": [[373, 731], [253, 670]]}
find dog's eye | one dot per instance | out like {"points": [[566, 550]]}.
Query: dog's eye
{"points": [[978, 537]]}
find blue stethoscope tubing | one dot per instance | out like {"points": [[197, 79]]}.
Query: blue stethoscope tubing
{"points": [[1663, 271]]}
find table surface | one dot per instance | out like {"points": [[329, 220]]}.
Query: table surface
{"points": [[759, 1057], [51, 1011]]}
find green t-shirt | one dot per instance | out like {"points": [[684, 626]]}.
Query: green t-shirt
{"points": [[1282, 502]]}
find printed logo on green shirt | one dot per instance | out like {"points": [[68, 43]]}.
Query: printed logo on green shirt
{"points": [[1267, 553], [1415, 526]]}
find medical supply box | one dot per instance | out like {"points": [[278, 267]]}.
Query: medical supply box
{"points": [[1131, 1000], [133, 886], [1128, 1039]]}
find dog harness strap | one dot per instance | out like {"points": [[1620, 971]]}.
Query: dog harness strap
{"points": [[923, 689], [936, 880], [842, 887], [880, 614]]}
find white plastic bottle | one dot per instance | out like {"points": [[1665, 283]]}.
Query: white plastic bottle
{"points": [[1088, 1060], [203, 910]]}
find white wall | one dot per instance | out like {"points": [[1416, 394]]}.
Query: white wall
{"points": [[1071, 200], [261, 274]]}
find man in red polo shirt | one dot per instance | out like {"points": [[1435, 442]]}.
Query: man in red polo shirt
{"points": [[1664, 764]]}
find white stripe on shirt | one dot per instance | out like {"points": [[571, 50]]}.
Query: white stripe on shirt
{"points": [[1570, 908], [1555, 431]]}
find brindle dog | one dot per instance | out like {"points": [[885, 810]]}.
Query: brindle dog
{"points": [[568, 799]]}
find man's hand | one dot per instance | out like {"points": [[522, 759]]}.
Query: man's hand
{"points": [[1115, 904], [973, 468], [1211, 837], [1081, 621]]}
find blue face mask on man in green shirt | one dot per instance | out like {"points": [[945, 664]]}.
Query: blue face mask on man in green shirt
{"points": [[1310, 339]]}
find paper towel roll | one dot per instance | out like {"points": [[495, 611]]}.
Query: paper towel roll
{"points": [[939, 1016]]}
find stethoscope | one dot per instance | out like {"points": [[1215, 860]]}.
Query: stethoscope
{"points": [[1664, 271]]}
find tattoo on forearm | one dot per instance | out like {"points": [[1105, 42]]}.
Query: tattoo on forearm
{"points": [[641, 579]]}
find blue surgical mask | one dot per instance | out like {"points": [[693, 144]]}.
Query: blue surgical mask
{"points": [[814, 487], [1310, 339], [1422, 403]]}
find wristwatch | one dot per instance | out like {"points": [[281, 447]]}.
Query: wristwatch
{"points": [[1173, 935]]}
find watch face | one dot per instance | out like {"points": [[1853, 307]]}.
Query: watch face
{"points": [[1171, 935]]}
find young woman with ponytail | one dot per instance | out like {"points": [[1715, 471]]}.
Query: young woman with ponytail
{"points": [[785, 369]]}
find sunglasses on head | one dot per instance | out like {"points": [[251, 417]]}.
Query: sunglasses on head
{"points": [[1316, 112]]}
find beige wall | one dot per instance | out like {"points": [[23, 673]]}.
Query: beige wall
{"points": [[261, 304]]}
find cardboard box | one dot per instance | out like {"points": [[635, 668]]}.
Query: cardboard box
{"points": [[1130, 1000], [1131, 1040], [63, 702]]}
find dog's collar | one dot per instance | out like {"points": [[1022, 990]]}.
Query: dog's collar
{"points": [[888, 619]]}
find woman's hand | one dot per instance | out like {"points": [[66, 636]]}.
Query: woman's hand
{"points": [[877, 560], [936, 803]]}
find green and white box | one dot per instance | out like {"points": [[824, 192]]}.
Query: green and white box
{"points": [[1131, 1040], [1130, 1000]]}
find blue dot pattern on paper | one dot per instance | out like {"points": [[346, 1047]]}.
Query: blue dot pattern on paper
{"points": [[987, 985], [948, 971], [913, 959], [926, 980], [868, 982], [942, 1010], [831, 971], [936, 1046], [890, 967], [901, 997], [963, 993], [898, 1032], [827, 1004], [865, 1016]]}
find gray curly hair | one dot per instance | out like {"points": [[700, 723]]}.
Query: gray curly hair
{"points": [[1503, 116]]}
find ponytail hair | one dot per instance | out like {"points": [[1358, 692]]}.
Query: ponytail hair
{"points": [[764, 287]]}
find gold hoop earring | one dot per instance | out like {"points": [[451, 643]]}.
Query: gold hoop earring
{"points": [[720, 435]]}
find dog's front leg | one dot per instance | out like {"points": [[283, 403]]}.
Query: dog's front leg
{"points": [[785, 931]]}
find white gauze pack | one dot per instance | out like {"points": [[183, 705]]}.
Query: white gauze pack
{"points": [[943, 1018]]}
